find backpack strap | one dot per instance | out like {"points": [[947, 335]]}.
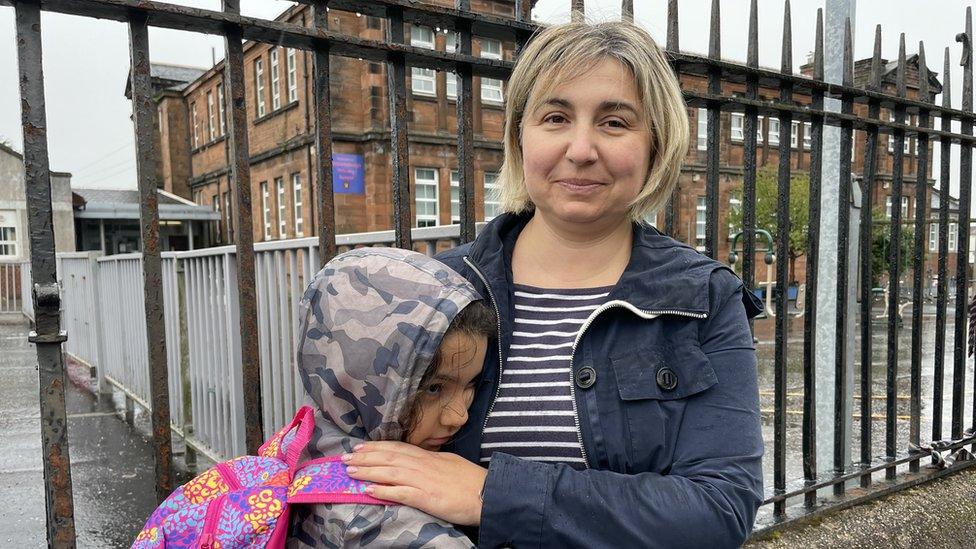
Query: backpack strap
{"points": [[325, 480], [287, 444]]}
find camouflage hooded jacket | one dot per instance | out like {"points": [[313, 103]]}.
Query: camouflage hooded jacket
{"points": [[371, 321]]}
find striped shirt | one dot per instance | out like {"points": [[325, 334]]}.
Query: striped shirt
{"points": [[534, 416]]}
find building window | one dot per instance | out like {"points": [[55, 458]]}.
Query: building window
{"points": [[933, 237], [455, 197], [904, 207], [221, 109], [492, 199], [275, 83], [451, 79], [266, 210], [161, 118], [292, 75], [735, 206], [259, 85], [216, 207], [700, 223], [736, 121], [703, 129], [888, 206], [211, 125], [196, 124], [794, 134], [422, 81], [953, 234], [491, 88], [229, 212], [8, 234], [296, 191], [807, 136], [773, 131], [282, 208], [425, 183], [891, 136]]}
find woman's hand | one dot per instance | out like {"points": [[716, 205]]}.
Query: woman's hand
{"points": [[441, 484]]}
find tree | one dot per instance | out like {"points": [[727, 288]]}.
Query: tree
{"points": [[881, 244], [767, 195]]}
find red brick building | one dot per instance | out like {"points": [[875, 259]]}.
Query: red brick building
{"points": [[194, 153]]}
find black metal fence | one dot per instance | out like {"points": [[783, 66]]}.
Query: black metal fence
{"points": [[397, 54]]}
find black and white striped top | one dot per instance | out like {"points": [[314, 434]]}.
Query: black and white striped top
{"points": [[534, 415]]}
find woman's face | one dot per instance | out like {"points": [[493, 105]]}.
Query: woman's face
{"points": [[444, 401], [586, 148]]}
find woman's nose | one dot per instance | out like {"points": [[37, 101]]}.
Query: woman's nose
{"points": [[581, 149]]}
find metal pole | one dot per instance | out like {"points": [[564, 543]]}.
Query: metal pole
{"points": [[827, 283], [47, 334]]}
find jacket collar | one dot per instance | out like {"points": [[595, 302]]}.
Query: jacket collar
{"points": [[662, 275]]}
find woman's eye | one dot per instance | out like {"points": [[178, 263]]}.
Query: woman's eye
{"points": [[555, 119], [616, 123], [434, 389]]}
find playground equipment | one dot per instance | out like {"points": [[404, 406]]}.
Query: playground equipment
{"points": [[769, 259]]}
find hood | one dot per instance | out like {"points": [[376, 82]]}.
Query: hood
{"points": [[371, 321]]}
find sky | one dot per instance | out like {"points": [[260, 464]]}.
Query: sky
{"points": [[86, 62]]}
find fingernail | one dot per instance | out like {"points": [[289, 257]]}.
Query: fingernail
{"points": [[352, 469], [357, 447], [346, 457]]}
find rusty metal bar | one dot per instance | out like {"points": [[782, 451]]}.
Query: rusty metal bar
{"points": [[714, 134], [627, 11], [809, 442], [325, 205], [962, 235], [465, 136], [143, 109], [672, 45], [921, 222], [843, 260], [942, 290], [47, 333], [866, 236], [241, 173], [782, 263], [579, 11], [749, 156], [396, 70]]}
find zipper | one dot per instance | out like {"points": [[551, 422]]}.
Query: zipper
{"points": [[211, 520], [645, 314], [498, 319], [229, 477]]}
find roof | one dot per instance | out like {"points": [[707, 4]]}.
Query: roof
{"points": [[124, 204], [167, 77], [10, 150]]}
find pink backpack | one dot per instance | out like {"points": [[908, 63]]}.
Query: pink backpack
{"points": [[244, 502]]}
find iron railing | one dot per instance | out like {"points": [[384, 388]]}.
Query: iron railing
{"points": [[249, 298]]}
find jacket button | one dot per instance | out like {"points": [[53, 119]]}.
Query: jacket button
{"points": [[667, 380], [585, 378]]}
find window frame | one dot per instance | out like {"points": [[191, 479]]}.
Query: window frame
{"points": [[259, 86], [282, 207], [297, 202], [275, 69], [291, 66], [423, 219], [266, 209]]}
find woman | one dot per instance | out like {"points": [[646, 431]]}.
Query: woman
{"points": [[620, 406]]}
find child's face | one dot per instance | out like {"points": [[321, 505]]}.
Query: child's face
{"points": [[444, 402]]}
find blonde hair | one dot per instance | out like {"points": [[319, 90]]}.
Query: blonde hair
{"points": [[561, 52]]}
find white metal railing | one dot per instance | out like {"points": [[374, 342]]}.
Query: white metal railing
{"points": [[11, 288], [80, 305], [104, 314]]}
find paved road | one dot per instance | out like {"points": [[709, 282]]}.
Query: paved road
{"points": [[111, 463]]}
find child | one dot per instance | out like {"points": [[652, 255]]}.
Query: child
{"points": [[391, 347]]}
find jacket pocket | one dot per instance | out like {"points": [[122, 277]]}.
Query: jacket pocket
{"points": [[654, 383]]}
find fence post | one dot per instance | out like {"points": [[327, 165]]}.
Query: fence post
{"points": [[190, 454]]}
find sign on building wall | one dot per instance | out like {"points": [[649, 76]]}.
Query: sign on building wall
{"points": [[348, 174]]}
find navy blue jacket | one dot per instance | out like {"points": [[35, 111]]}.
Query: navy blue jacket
{"points": [[670, 425]]}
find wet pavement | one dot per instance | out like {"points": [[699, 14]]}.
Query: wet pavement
{"points": [[112, 468], [111, 462]]}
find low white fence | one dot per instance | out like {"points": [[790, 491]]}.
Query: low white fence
{"points": [[104, 315], [11, 289]]}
